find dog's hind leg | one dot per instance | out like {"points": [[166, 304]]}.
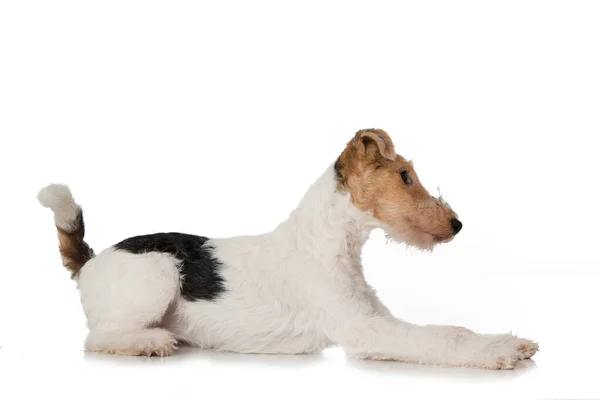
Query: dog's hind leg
{"points": [[125, 297], [146, 342]]}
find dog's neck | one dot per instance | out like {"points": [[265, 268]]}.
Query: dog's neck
{"points": [[326, 223]]}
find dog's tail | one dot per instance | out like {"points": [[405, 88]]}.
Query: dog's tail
{"points": [[68, 218]]}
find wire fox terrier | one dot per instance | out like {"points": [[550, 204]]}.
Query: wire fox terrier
{"points": [[295, 290]]}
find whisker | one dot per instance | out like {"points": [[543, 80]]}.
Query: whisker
{"points": [[441, 197]]}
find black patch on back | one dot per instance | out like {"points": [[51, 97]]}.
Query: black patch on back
{"points": [[198, 267]]}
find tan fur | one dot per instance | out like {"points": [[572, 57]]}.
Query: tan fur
{"points": [[369, 169], [74, 250]]}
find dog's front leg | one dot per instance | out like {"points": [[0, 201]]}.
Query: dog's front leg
{"points": [[367, 334]]}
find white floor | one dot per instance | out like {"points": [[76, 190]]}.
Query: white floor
{"points": [[554, 308]]}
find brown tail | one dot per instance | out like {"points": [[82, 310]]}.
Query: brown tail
{"points": [[68, 218]]}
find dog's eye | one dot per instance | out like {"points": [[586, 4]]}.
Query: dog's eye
{"points": [[405, 177]]}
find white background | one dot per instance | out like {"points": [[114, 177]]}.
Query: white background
{"points": [[215, 117]]}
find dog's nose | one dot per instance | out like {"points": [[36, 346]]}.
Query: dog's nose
{"points": [[456, 225]]}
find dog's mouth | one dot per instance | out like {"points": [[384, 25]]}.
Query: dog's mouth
{"points": [[427, 241], [439, 239], [416, 236]]}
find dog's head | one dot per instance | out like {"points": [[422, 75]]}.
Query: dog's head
{"points": [[386, 185]]}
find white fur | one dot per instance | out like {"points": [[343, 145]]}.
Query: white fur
{"points": [[59, 199], [123, 294], [295, 290]]}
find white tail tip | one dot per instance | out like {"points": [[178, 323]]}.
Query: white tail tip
{"points": [[59, 199]]}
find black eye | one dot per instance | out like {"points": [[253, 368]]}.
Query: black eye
{"points": [[405, 177]]}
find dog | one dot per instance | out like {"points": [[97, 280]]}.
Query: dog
{"points": [[295, 290]]}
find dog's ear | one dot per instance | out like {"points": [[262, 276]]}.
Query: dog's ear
{"points": [[374, 143]]}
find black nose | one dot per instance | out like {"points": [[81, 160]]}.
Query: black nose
{"points": [[456, 225]]}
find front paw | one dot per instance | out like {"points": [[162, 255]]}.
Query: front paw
{"points": [[499, 351]]}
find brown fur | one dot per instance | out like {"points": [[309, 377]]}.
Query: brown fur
{"points": [[369, 169], [74, 250]]}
